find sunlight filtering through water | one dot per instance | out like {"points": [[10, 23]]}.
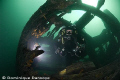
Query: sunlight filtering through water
{"points": [[90, 2]]}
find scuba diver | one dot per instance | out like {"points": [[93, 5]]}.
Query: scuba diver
{"points": [[70, 44]]}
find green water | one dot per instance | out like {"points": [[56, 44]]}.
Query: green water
{"points": [[14, 14]]}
